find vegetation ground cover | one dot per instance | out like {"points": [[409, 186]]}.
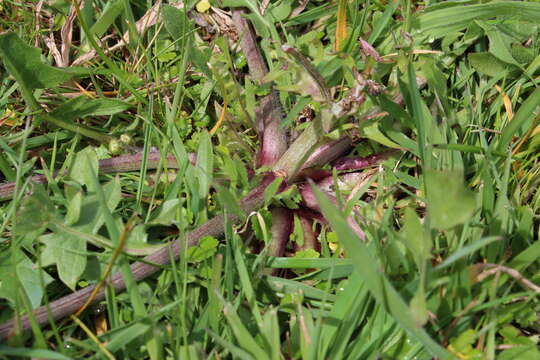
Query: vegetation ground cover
{"points": [[277, 179]]}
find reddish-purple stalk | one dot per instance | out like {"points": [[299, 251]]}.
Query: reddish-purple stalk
{"points": [[113, 165], [310, 201], [274, 139], [358, 163], [324, 181], [282, 220], [274, 145]]}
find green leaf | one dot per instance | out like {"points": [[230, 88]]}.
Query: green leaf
{"points": [[487, 64], [272, 190], [205, 164], [84, 165], [92, 217], [32, 353], [206, 248], [167, 212], [450, 202], [122, 338], [418, 307], [229, 202], [499, 45], [307, 254], [467, 250], [346, 308], [522, 119], [522, 54], [176, 21], [35, 212], [68, 252], [82, 106], [259, 22], [438, 23], [241, 333], [15, 264], [287, 286], [462, 344], [416, 238], [109, 14], [372, 132], [24, 63], [74, 207]]}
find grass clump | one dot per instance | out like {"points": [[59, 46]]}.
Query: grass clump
{"points": [[284, 179]]}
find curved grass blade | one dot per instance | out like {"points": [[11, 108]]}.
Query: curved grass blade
{"points": [[379, 286], [439, 23]]}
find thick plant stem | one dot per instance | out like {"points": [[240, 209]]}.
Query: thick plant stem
{"points": [[281, 228], [274, 138], [112, 165], [297, 154], [311, 202], [69, 304]]}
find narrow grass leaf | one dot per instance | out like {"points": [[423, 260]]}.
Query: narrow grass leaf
{"points": [[522, 119], [467, 251], [287, 286], [205, 164], [109, 14], [301, 263], [33, 353], [421, 122], [376, 282], [270, 330], [245, 278], [82, 106], [237, 352], [439, 23], [347, 302], [122, 338], [241, 333], [114, 230], [341, 26], [383, 21]]}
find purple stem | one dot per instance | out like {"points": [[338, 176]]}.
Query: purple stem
{"points": [[311, 202], [282, 221], [112, 165], [281, 228], [358, 163], [274, 139]]}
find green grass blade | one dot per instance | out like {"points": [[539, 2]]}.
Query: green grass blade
{"points": [[33, 353], [243, 336], [377, 283], [439, 23], [523, 117], [466, 251]]}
